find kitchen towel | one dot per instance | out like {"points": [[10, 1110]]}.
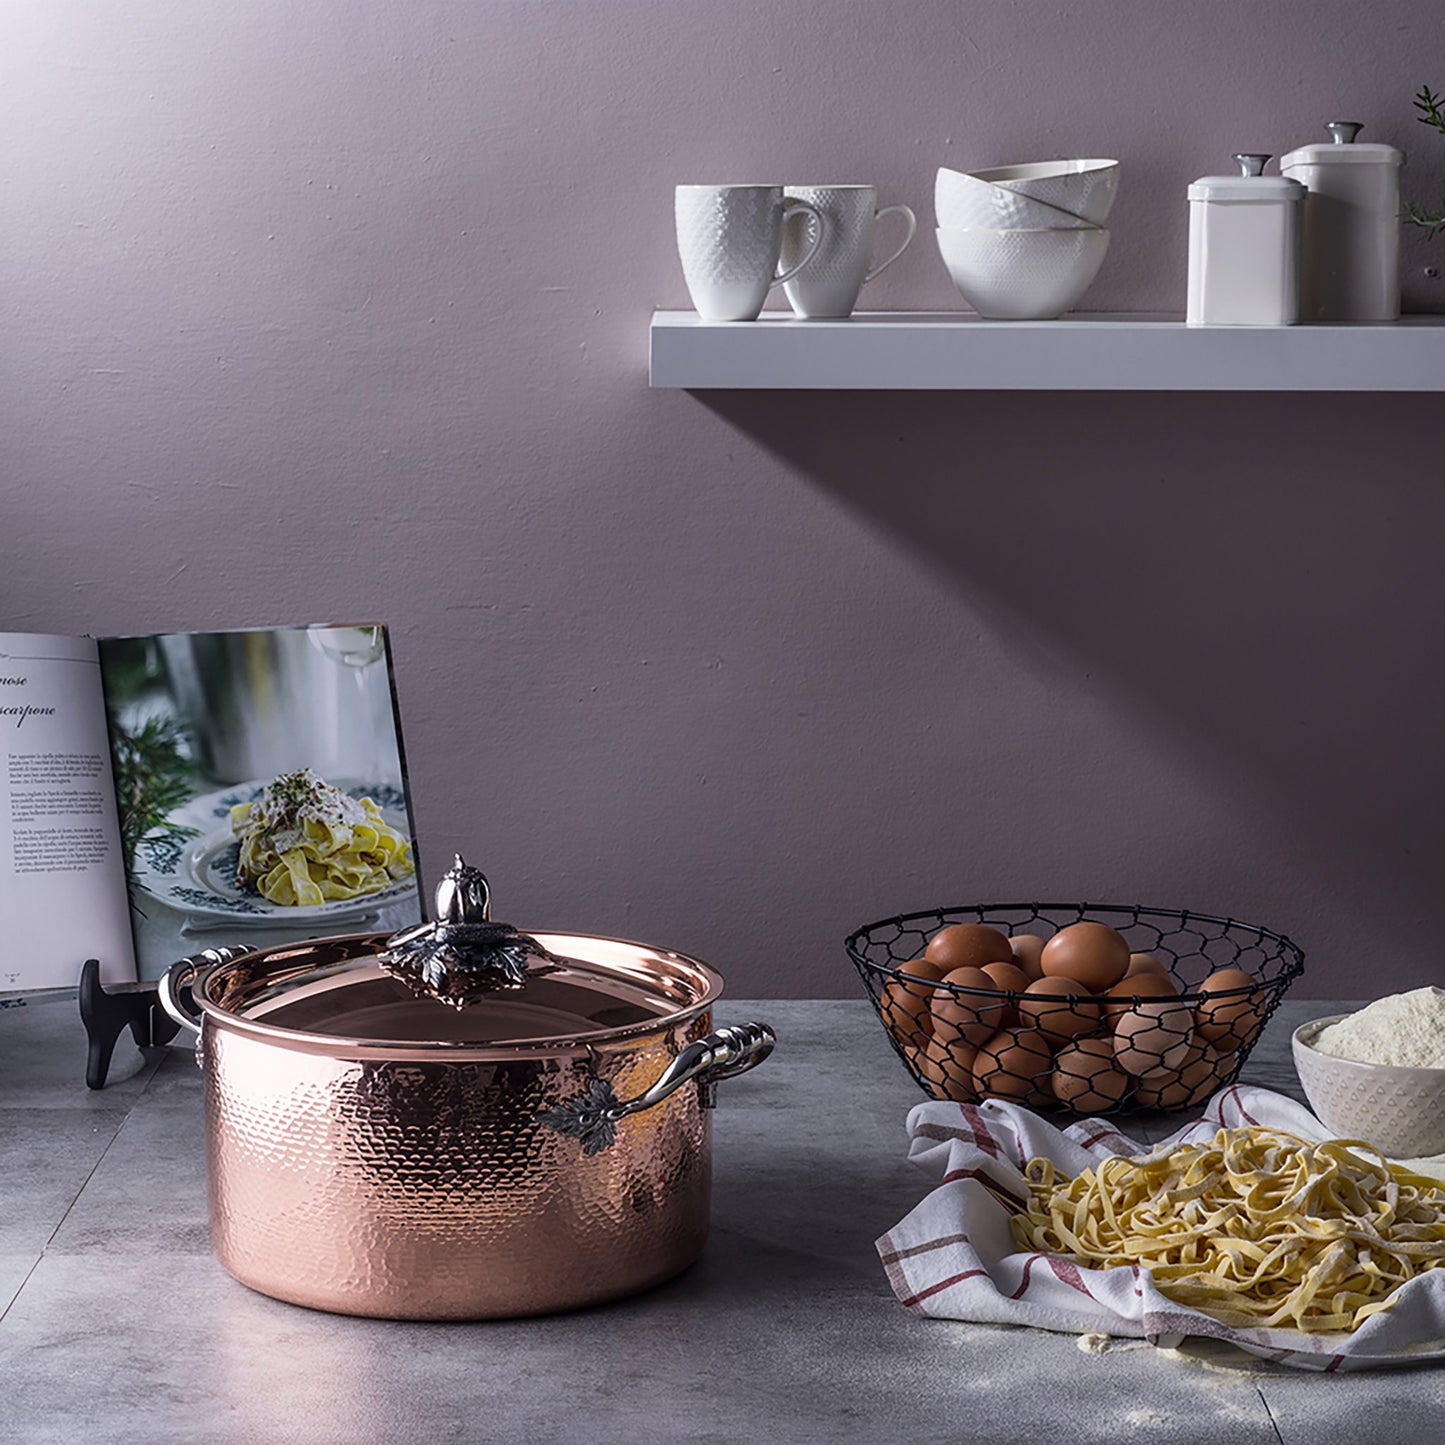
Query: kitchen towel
{"points": [[954, 1258]]}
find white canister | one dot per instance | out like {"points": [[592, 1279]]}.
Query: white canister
{"points": [[1350, 260], [1244, 248]]}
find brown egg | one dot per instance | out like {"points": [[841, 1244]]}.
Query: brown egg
{"points": [[1151, 1038], [1237, 1035], [967, 945], [1193, 1081], [1229, 1018], [1087, 1079], [1145, 984], [906, 1006], [967, 1018], [1224, 1061], [1014, 1064], [947, 1068], [919, 1060], [1008, 976], [1145, 963], [1026, 950], [1060, 1008], [1092, 954]]}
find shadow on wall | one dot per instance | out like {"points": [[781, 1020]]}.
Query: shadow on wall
{"points": [[1262, 573]]}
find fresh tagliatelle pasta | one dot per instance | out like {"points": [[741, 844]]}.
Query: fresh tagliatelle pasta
{"points": [[305, 842], [1255, 1227]]}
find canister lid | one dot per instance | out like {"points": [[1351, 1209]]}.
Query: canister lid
{"points": [[1251, 184], [1342, 149], [1276, 189]]}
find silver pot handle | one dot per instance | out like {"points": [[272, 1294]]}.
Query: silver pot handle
{"points": [[593, 1115], [178, 975]]}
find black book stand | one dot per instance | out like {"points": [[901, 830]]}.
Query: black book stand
{"points": [[106, 1013]]}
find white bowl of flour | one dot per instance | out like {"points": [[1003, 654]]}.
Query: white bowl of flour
{"points": [[1379, 1074]]}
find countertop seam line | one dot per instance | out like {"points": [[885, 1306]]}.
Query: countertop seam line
{"points": [[11, 1301], [60, 1223], [1273, 1424]]}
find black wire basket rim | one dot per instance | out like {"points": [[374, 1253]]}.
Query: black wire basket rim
{"points": [[963, 990], [1291, 960]]}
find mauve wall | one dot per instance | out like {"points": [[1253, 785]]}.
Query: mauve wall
{"points": [[335, 310]]}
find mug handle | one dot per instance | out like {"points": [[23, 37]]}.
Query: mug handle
{"points": [[790, 207], [912, 231]]}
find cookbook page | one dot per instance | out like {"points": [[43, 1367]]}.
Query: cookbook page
{"points": [[62, 875], [263, 788]]}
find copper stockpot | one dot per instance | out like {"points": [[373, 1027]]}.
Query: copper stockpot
{"points": [[376, 1149]]}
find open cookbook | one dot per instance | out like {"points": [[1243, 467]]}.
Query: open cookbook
{"points": [[160, 795]]}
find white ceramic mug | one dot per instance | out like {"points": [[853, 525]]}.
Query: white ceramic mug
{"points": [[828, 284], [729, 239]]}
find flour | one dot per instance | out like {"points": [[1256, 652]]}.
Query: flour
{"points": [[1146, 1417], [1095, 1342], [1404, 1030], [1218, 1357]]}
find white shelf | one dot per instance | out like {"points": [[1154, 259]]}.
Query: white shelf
{"points": [[906, 351]]}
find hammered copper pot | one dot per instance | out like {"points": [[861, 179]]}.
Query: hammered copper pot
{"points": [[377, 1149]]}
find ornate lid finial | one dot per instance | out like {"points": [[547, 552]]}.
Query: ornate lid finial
{"points": [[463, 955]]}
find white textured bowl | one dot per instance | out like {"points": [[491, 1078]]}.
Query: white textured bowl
{"points": [[1082, 188], [1022, 275], [1400, 1111], [964, 203]]}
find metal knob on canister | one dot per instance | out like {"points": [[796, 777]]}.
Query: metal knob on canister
{"points": [[1350, 261], [1244, 247]]}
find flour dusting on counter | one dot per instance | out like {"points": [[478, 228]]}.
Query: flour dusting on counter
{"points": [[1146, 1417]]}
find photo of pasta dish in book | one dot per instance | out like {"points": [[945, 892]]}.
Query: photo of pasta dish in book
{"points": [[291, 849], [305, 842], [261, 786]]}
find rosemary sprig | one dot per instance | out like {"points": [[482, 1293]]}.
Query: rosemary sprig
{"points": [[1432, 113], [1431, 108], [152, 777]]}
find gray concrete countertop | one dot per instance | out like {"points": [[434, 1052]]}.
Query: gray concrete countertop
{"points": [[118, 1326]]}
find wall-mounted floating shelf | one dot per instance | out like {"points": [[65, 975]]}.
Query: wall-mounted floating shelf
{"points": [[925, 351]]}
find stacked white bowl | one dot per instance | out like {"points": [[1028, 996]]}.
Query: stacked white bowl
{"points": [[1023, 243]]}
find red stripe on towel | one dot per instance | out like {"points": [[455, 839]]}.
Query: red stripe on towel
{"points": [[942, 1284], [980, 1131], [1024, 1282], [1068, 1273], [1244, 1113], [913, 1250], [994, 1186]]}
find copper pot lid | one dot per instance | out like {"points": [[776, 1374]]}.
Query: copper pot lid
{"points": [[461, 982]]}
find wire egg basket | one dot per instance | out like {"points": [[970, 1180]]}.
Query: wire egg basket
{"points": [[1140, 1046]]}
